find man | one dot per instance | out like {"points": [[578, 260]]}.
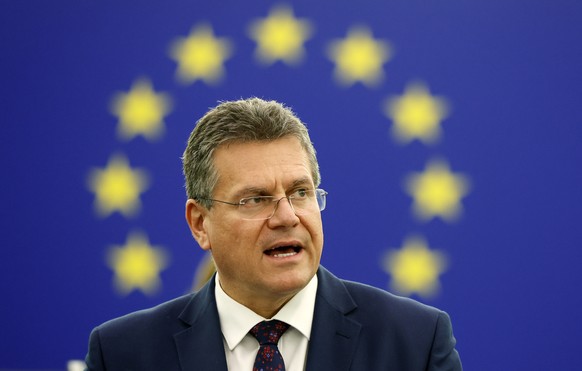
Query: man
{"points": [[252, 181]]}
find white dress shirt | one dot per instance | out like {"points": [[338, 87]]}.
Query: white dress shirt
{"points": [[241, 347]]}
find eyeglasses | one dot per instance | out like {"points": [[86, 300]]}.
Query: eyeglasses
{"points": [[302, 201]]}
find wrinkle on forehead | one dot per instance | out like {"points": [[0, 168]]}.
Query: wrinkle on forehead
{"points": [[261, 167]]}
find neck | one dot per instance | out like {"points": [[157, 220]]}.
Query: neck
{"points": [[264, 306], [267, 309]]}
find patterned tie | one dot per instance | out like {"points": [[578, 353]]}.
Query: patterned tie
{"points": [[268, 334]]}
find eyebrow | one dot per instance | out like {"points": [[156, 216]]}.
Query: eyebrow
{"points": [[303, 181], [250, 191]]}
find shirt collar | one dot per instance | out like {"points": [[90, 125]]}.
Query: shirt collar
{"points": [[236, 320]]}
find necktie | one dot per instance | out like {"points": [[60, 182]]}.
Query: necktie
{"points": [[267, 334]]}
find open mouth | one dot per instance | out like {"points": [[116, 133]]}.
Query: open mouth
{"points": [[283, 251]]}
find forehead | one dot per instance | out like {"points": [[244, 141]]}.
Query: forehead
{"points": [[261, 163]]}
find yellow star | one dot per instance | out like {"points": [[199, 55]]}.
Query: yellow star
{"points": [[416, 114], [359, 57], [437, 192], [117, 187], [141, 111], [415, 268], [137, 265], [200, 56], [280, 36]]}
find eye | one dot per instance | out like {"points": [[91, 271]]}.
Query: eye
{"points": [[253, 201], [300, 193]]}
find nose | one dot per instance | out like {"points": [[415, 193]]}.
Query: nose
{"points": [[284, 213]]}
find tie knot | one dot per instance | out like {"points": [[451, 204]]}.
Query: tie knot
{"points": [[269, 332]]}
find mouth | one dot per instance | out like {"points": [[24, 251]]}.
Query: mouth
{"points": [[284, 251]]}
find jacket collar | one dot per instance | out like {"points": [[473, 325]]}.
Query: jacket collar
{"points": [[200, 346], [334, 336], [333, 341]]}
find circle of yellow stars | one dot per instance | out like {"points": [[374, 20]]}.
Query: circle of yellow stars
{"points": [[141, 111], [200, 55], [117, 187], [137, 264], [415, 268], [280, 36], [359, 57], [416, 114], [437, 192]]}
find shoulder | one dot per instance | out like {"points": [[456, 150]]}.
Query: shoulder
{"points": [[135, 336], [373, 299], [363, 300], [408, 329], [164, 315], [380, 310], [146, 339], [169, 317], [405, 321]]}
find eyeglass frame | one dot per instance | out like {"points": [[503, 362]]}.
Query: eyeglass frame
{"points": [[318, 193]]}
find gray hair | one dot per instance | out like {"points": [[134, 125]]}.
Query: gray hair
{"points": [[247, 120]]}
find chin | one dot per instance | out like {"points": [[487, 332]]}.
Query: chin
{"points": [[292, 283]]}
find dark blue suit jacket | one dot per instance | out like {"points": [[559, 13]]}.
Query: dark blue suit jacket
{"points": [[355, 327]]}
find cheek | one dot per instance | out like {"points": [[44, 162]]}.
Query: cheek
{"points": [[315, 228], [232, 236]]}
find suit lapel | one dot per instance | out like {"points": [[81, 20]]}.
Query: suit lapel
{"points": [[200, 346], [334, 336]]}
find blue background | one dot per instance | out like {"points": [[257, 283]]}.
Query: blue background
{"points": [[512, 71]]}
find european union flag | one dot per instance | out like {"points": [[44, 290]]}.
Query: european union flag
{"points": [[448, 136]]}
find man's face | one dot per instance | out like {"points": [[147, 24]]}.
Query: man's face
{"points": [[261, 260]]}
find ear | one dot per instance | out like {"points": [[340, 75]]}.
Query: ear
{"points": [[195, 215]]}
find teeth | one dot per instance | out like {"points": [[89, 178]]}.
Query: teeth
{"points": [[285, 255]]}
